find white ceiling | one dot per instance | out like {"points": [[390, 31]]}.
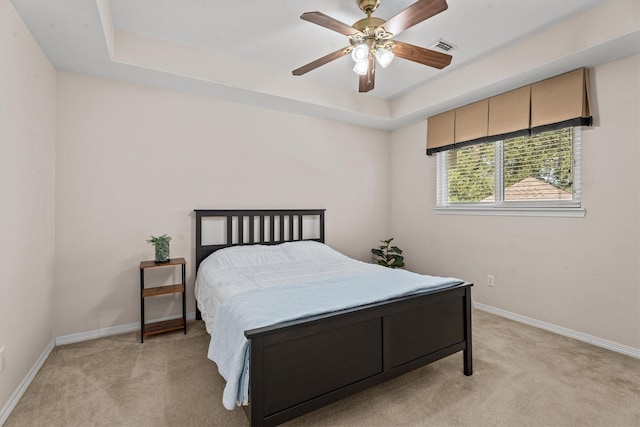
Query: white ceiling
{"points": [[245, 50]]}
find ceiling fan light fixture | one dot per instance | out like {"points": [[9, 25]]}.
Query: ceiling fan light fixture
{"points": [[360, 52], [361, 68], [384, 56], [372, 37]]}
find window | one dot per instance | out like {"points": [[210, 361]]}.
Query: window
{"points": [[537, 174]]}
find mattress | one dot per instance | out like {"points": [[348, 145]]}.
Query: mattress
{"points": [[237, 269]]}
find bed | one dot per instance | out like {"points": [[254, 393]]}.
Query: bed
{"points": [[296, 366]]}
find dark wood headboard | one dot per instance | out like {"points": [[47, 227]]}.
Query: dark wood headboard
{"points": [[256, 226]]}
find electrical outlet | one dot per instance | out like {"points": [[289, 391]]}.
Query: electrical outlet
{"points": [[2, 358], [490, 280]]}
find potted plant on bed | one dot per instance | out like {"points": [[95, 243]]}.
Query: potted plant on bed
{"points": [[387, 255], [162, 247]]}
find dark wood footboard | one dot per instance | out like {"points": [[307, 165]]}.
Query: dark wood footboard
{"points": [[297, 367]]}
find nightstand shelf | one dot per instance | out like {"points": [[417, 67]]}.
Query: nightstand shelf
{"points": [[162, 290], [164, 326], [153, 328]]}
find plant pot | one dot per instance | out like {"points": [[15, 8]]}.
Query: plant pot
{"points": [[162, 252]]}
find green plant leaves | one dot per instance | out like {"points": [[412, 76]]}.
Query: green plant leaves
{"points": [[164, 239], [377, 252], [388, 256]]}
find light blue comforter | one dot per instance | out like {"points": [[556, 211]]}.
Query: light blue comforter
{"points": [[263, 307]]}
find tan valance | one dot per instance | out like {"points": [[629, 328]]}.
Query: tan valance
{"points": [[509, 112], [441, 130], [471, 121], [557, 102], [560, 98]]}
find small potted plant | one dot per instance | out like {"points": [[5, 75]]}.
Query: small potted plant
{"points": [[387, 255], [162, 247]]}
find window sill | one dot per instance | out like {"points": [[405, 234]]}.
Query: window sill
{"points": [[513, 211]]}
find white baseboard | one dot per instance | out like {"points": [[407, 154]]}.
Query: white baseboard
{"points": [[600, 342], [15, 397], [69, 339], [114, 330]]}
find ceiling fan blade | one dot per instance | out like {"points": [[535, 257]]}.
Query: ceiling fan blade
{"points": [[319, 62], [367, 80], [414, 14], [421, 55], [326, 21]]}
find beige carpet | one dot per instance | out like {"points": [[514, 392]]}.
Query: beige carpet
{"points": [[523, 377]]}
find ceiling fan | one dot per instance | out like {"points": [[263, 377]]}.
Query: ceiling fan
{"points": [[371, 39]]}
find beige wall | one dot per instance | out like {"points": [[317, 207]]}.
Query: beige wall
{"points": [[27, 126], [577, 273], [134, 161]]}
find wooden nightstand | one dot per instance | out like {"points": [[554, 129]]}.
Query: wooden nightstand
{"points": [[153, 328]]}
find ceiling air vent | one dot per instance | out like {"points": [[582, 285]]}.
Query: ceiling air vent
{"points": [[443, 46]]}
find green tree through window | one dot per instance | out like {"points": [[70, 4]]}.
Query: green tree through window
{"points": [[530, 168], [545, 156], [471, 173]]}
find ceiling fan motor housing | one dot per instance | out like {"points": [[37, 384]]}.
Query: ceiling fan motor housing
{"points": [[368, 6], [370, 22]]}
